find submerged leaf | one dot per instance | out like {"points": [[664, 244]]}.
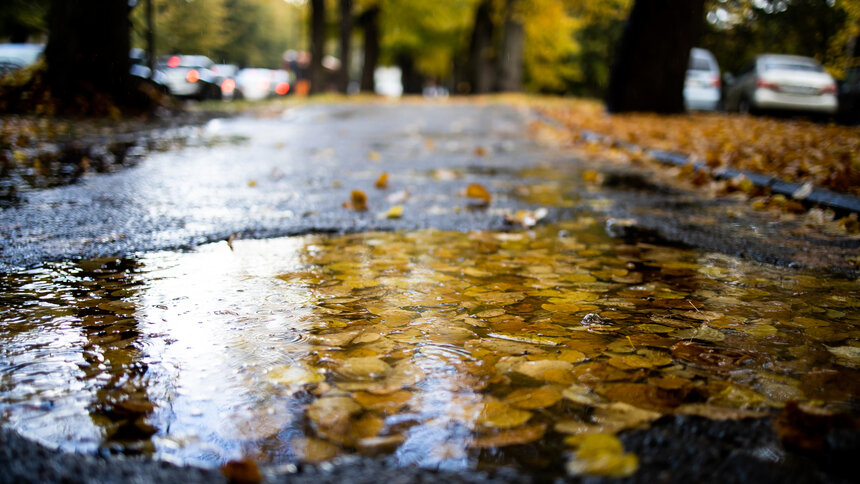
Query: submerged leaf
{"points": [[477, 191], [602, 455]]}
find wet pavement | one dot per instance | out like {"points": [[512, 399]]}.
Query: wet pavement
{"points": [[445, 340]]}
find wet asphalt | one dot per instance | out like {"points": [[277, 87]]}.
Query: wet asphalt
{"points": [[268, 176]]}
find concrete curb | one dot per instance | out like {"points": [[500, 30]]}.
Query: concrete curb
{"points": [[807, 193], [798, 191]]}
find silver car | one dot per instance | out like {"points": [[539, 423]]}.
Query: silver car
{"points": [[785, 83], [702, 85]]}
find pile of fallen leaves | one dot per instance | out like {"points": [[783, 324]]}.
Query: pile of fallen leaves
{"points": [[793, 150]]}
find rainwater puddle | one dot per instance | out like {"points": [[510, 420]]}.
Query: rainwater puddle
{"points": [[446, 350]]}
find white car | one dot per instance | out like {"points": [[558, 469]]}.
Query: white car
{"points": [[253, 83], [785, 83], [702, 85]]}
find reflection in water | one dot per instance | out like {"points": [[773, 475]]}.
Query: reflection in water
{"points": [[445, 350]]}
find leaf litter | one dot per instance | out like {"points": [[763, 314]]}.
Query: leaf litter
{"points": [[560, 338]]}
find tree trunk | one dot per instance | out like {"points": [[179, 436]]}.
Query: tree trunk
{"points": [[370, 24], [481, 74], [317, 76], [510, 60], [87, 51], [651, 60], [345, 44], [412, 80]]}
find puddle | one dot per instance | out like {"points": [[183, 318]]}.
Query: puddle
{"points": [[445, 350]]}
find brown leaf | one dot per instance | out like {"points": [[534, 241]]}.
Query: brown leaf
{"points": [[357, 202], [243, 471], [478, 192], [382, 181]]}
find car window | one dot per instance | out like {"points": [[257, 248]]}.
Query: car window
{"points": [[792, 66], [699, 64]]}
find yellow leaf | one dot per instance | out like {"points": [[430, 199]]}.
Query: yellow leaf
{"points": [[533, 398], [374, 156], [294, 375], [357, 202], [394, 212], [517, 436], [602, 455], [477, 191], [382, 181]]}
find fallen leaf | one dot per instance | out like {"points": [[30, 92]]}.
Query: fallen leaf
{"points": [[374, 156], [294, 375], [394, 212], [517, 436], [332, 411], [243, 471], [357, 202], [382, 181], [533, 398], [478, 192], [313, 450], [602, 455]]}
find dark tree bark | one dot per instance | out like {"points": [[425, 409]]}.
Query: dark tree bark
{"points": [[317, 74], [87, 51], [412, 80], [651, 60], [369, 21], [510, 60], [480, 70], [345, 44]]}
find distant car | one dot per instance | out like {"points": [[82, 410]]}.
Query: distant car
{"points": [[17, 56], [254, 83], [225, 77], [141, 71], [702, 85], [783, 83], [280, 85], [190, 76]]}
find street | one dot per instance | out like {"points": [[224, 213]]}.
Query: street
{"points": [[367, 287]]}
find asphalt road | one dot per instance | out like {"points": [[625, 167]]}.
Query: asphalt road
{"points": [[290, 174]]}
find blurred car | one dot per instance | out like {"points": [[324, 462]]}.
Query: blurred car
{"points": [[225, 77], [141, 71], [702, 85], [190, 76], [254, 83], [785, 83], [17, 56], [280, 83]]}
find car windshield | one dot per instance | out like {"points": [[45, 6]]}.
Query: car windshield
{"points": [[23, 54], [699, 64], [792, 66]]}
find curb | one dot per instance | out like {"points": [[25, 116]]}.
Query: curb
{"points": [[798, 191], [804, 192]]}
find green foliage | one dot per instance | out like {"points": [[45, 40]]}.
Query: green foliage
{"points": [[599, 27], [22, 17], [430, 32], [245, 32]]}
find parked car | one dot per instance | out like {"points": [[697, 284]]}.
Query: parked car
{"points": [[702, 85], [280, 83], [225, 76], [784, 83], [141, 71], [254, 83], [190, 76], [17, 56]]}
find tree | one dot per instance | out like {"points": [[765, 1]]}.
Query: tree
{"points": [[651, 61], [87, 52], [317, 75], [510, 60], [369, 21], [480, 69], [345, 44]]}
